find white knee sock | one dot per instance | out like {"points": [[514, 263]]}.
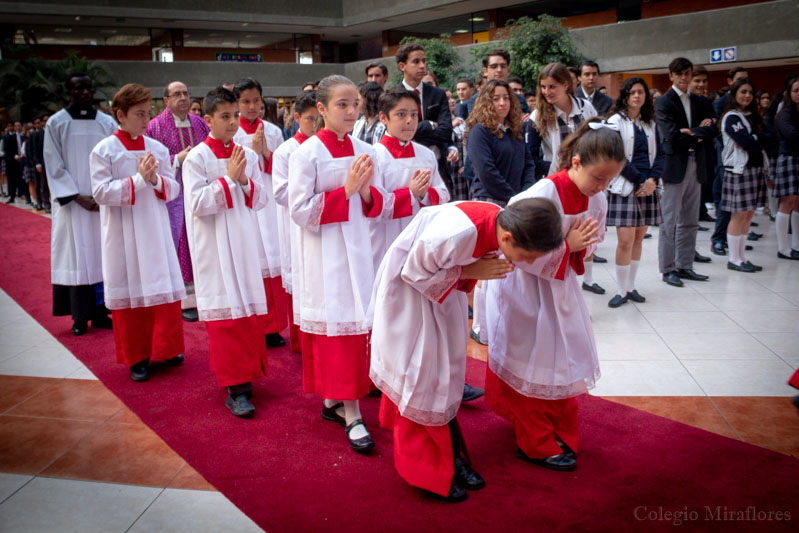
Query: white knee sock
{"points": [[622, 279], [734, 248], [352, 412], [588, 277], [742, 247], [773, 205], [633, 272], [781, 225], [795, 229], [476, 310]]}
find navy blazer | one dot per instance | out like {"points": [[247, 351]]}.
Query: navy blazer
{"points": [[601, 102]]}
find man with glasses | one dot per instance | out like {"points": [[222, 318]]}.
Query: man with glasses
{"points": [[496, 66], [179, 131]]}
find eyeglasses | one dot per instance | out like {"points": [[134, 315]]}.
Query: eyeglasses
{"points": [[497, 66], [179, 94]]}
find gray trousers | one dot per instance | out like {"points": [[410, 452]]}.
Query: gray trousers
{"points": [[680, 208]]}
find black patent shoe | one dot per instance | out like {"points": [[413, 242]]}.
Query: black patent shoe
{"points": [[599, 260], [175, 361], [673, 279], [331, 414], [274, 340], [240, 406], [743, 267], [456, 493], [471, 393], [140, 371], [596, 289], [190, 315], [718, 248], [634, 296], [617, 301], [362, 445], [793, 256], [79, 327], [688, 273], [757, 268], [561, 462], [466, 476], [647, 236], [568, 451], [699, 258]]}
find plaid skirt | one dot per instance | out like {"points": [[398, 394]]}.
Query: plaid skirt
{"points": [[494, 201], [29, 173], [743, 192], [786, 176], [458, 186], [634, 211]]}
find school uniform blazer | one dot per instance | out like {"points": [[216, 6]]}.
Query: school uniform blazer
{"points": [[435, 108], [671, 118], [601, 102]]}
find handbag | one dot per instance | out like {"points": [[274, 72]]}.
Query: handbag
{"points": [[621, 186]]}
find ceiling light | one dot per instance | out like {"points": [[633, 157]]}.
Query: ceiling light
{"points": [[245, 23], [77, 18], [461, 31], [476, 19]]}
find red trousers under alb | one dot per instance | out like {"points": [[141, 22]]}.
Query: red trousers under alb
{"points": [[336, 367], [154, 332], [276, 305], [238, 351], [294, 329]]}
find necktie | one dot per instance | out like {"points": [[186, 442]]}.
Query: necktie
{"points": [[420, 99]]}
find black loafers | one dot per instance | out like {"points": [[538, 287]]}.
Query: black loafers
{"points": [[140, 371], [617, 301], [274, 340], [743, 267], [471, 393], [240, 406], [175, 361], [634, 296], [596, 289], [794, 256], [687, 273], [456, 493], [79, 327], [362, 445], [599, 260], [190, 315], [718, 248], [757, 268], [466, 476], [331, 414], [561, 462], [673, 279]]}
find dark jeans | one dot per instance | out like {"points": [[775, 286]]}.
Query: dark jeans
{"points": [[722, 217]]}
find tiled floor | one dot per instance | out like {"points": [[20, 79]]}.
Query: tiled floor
{"points": [[713, 355]]}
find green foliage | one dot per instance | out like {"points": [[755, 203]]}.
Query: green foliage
{"points": [[442, 60], [33, 85], [533, 44]]}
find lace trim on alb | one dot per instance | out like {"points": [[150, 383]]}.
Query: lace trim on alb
{"points": [[317, 206], [231, 314], [544, 392], [335, 329], [219, 194], [437, 290], [423, 417], [145, 301]]}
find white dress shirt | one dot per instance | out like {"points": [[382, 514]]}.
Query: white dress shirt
{"points": [[685, 98]]}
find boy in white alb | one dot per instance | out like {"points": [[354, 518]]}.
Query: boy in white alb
{"points": [[132, 181], [306, 115], [223, 190], [264, 138]]}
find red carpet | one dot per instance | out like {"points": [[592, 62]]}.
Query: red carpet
{"points": [[291, 471]]}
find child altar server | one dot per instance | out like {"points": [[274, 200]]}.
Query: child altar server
{"points": [[132, 181], [306, 115], [541, 350], [409, 170], [264, 138], [223, 191], [333, 191], [421, 325]]}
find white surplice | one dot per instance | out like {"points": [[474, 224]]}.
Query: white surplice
{"points": [[140, 263], [540, 339], [332, 281], [75, 237], [397, 164], [420, 321], [222, 231]]}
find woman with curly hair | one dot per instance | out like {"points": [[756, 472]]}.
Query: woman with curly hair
{"points": [[502, 165]]}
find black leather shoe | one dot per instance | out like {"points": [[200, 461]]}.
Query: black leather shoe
{"points": [[362, 445], [568, 451], [103, 322], [702, 228], [753, 236], [79, 327], [634, 296], [718, 248], [699, 258], [794, 256], [757, 268], [617, 301], [274, 340], [561, 461], [466, 476], [471, 393], [706, 218], [687, 273], [456, 493], [599, 260], [673, 279], [596, 289], [240, 406], [754, 225], [743, 267], [647, 236], [476, 337], [140, 371], [190, 315], [331, 414], [175, 361]]}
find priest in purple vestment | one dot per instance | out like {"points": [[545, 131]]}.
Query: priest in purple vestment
{"points": [[179, 131]]}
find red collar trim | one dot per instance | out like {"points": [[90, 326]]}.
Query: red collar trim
{"points": [[129, 142], [300, 137], [396, 149], [218, 147], [571, 198], [484, 216], [334, 146], [248, 128]]}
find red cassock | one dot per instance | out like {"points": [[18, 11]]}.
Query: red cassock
{"points": [[148, 333], [794, 381]]}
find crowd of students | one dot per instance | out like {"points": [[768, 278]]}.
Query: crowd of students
{"points": [[346, 232]]}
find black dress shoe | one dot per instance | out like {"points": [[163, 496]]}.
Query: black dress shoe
{"points": [[634, 296], [599, 260], [568, 451], [190, 315], [794, 256], [274, 340], [362, 445], [79, 327], [754, 225], [466, 476], [175, 361], [687, 273], [561, 461], [673, 279], [753, 236], [757, 268], [617, 301], [703, 228], [699, 258], [476, 337], [140, 371], [647, 236], [103, 322], [743, 267], [596, 289], [331, 414], [706, 218], [718, 248], [240, 406], [456, 493], [471, 393], [748, 248]]}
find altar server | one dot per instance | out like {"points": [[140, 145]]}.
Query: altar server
{"points": [[131, 181]]}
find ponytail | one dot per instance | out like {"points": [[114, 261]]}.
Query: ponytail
{"points": [[592, 143]]}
